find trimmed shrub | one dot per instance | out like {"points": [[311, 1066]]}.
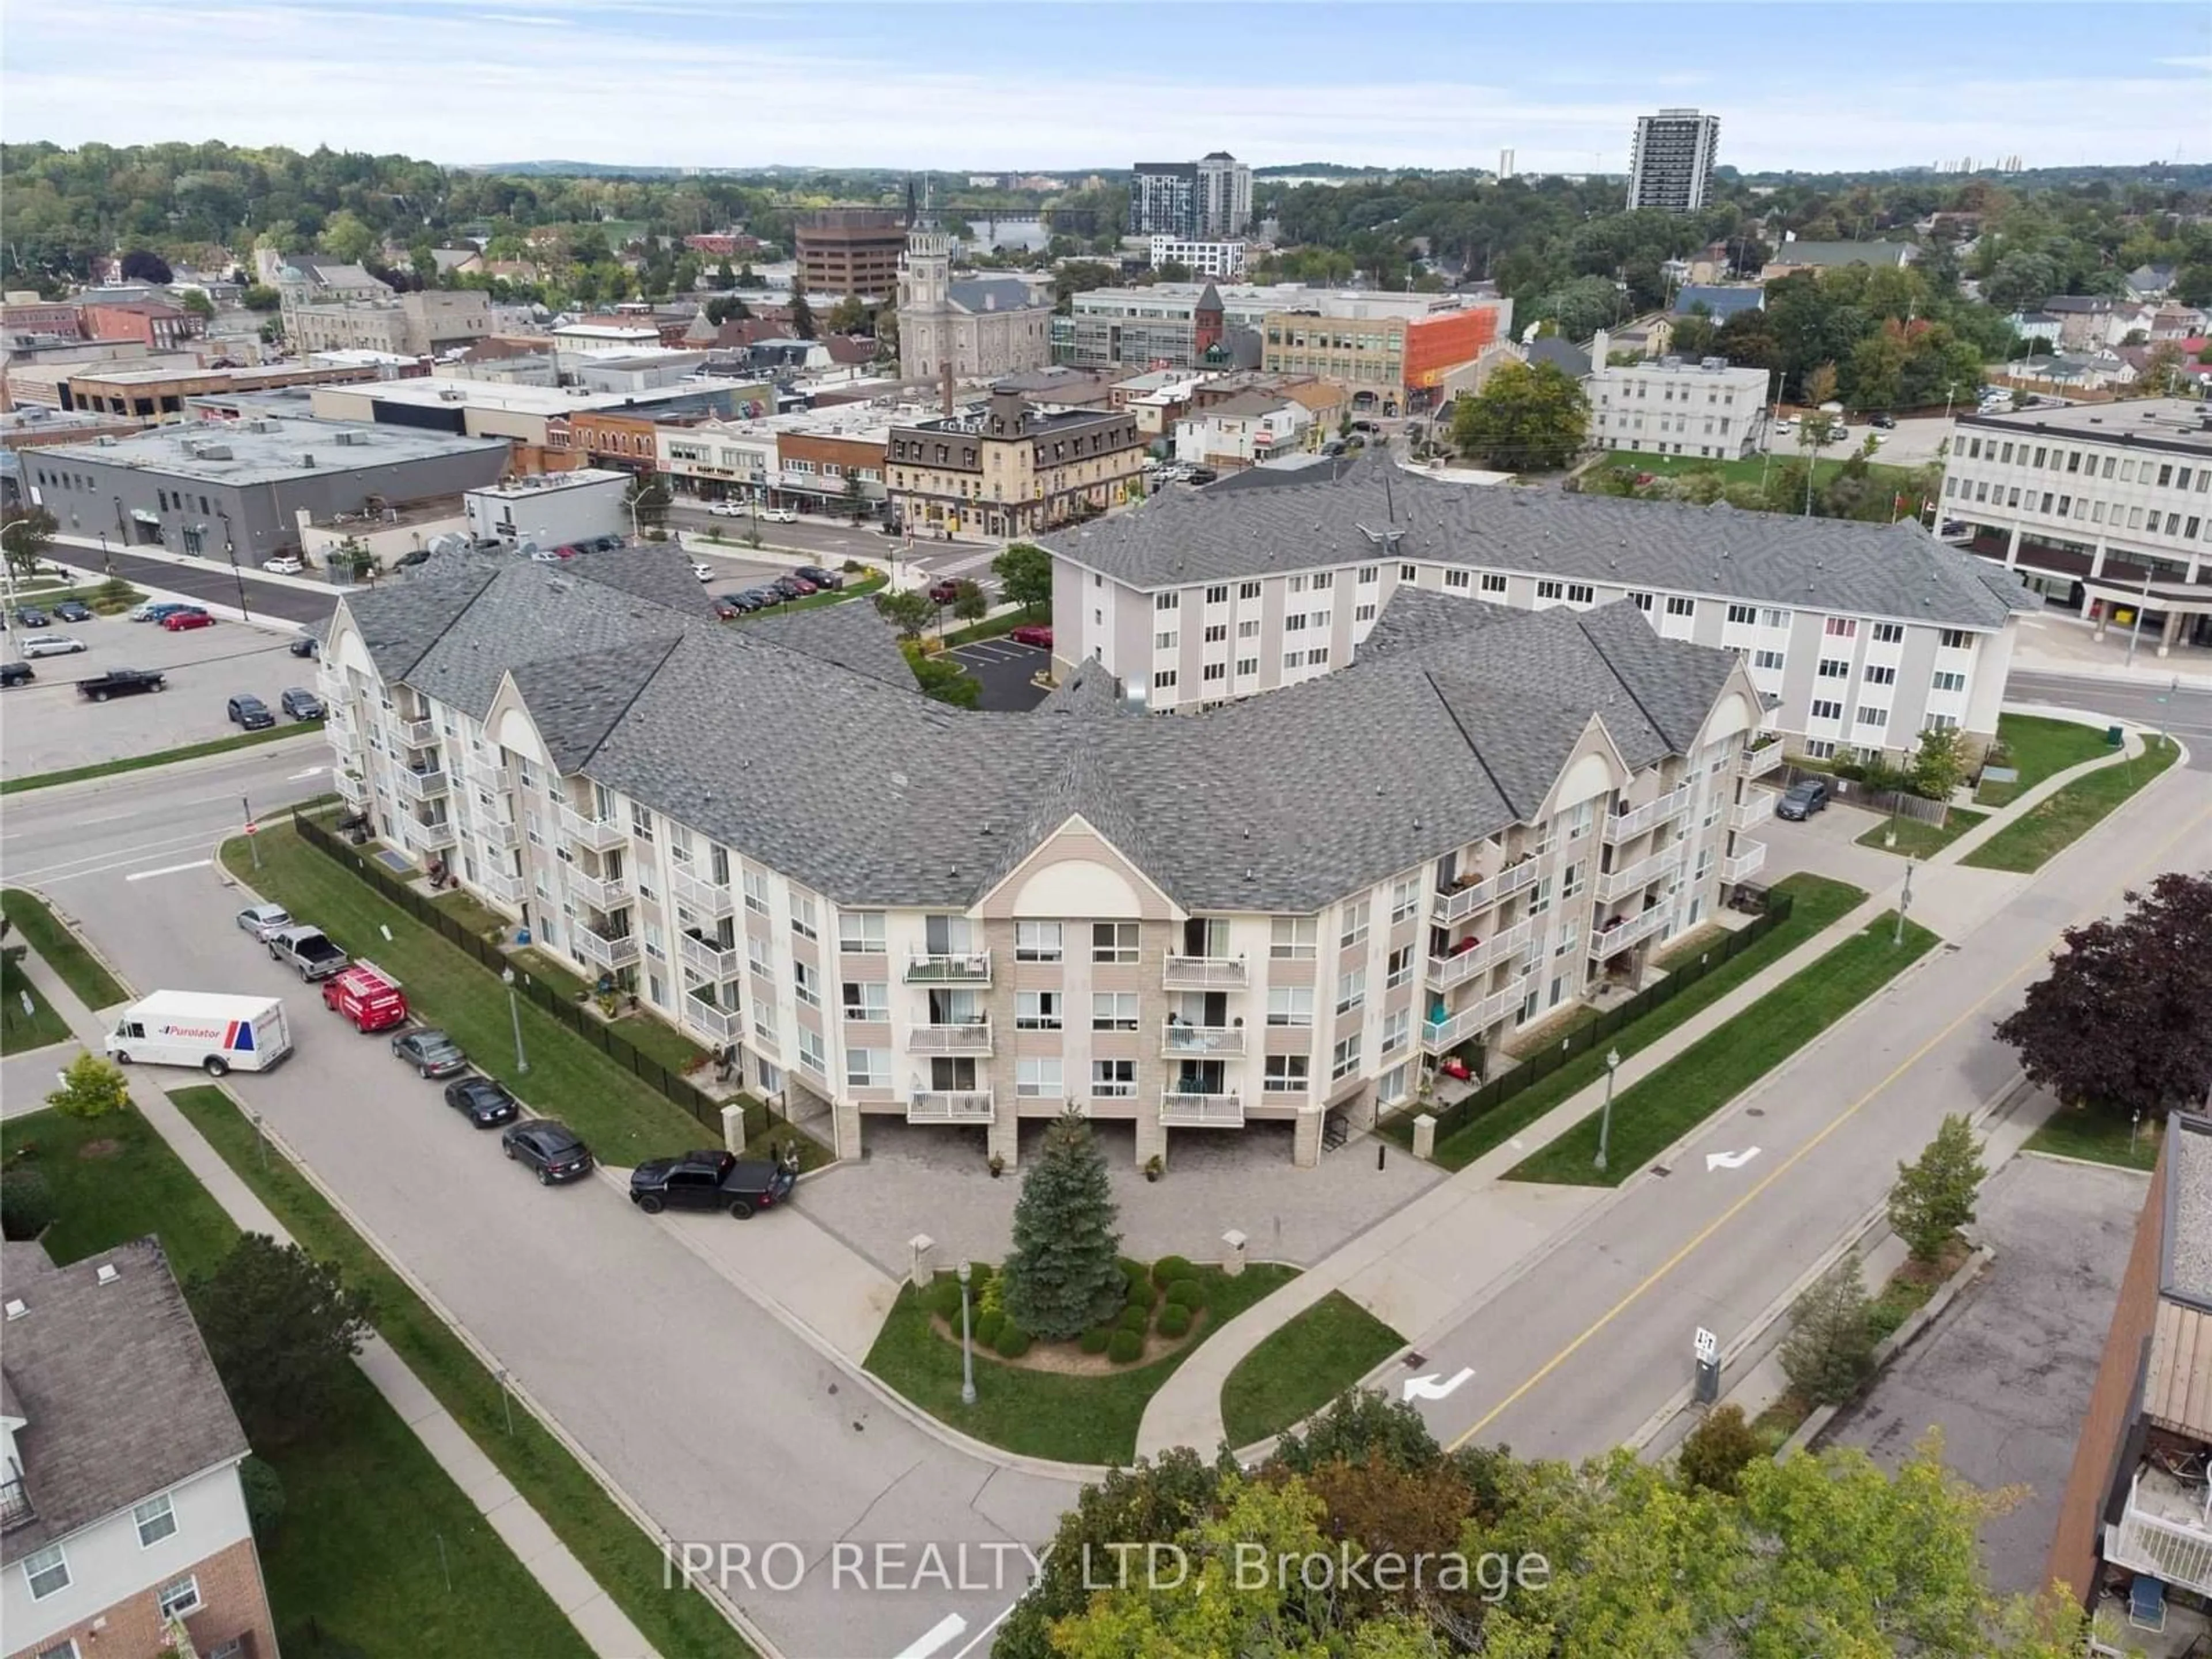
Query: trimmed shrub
{"points": [[943, 1299], [1175, 1319], [1187, 1293], [1135, 1319], [988, 1328], [1135, 1271], [1125, 1346], [1170, 1268], [264, 1498], [1012, 1342], [990, 1296], [26, 1203], [1096, 1338]]}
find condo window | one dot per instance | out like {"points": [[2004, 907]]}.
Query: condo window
{"points": [[1407, 572], [1742, 616], [1164, 679], [1355, 924], [178, 1598], [1165, 601], [755, 890], [1368, 573], [1458, 578], [1286, 1074], [1038, 1078], [1293, 937], [812, 1055], [867, 1068], [1956, 639], [1841, 628], [1642, 602], [1881, 673], [802, 916], [1247, 590], [1344, 1059], [1290, 1005], [806, 984], [1037, 941], [1948, 681], [1037, 1011], [156, 1519], [1874, 717], [47, 1571], [1678, 606], [861, 932], [1113, 1011], [1113, 1079], [1218, 595], [1113, 941], [866, 1000], [1399, 968], [1772, 659], [1824, 709], [1350, 990]]}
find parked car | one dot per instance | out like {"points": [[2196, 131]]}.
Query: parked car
{"points": [[778, 516], [251, 713], [1032, 633], [482, 1101], [944, 592], [155, 609], [121, 683], [820, 577], [705, 572], [72, 610], [301, 704], [727, 610], [283, 565], [262, 919], [309, 950], [368, 996], [1887, 422], [52, 645], [431, 1053], [305, 646], [725, 509], [29, 616], [1801, 799], [15, 673], [792, 587], [180, 621], [709, 1180], [551, 1149]]}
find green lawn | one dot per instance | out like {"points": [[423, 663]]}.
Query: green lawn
{"points": [[1818, 903], [991, 627], [1917, 840], [1749, 469], [2056, 823], [1038, 1413], [20, 1032], [367, 1509], [2097, 1136], [58, 948], [161, 758], [2036, 748], [620, 1558], [1303, 1366], [1705, 1076]]}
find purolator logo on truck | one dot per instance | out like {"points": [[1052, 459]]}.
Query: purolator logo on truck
{"points": [[234, 1034]]}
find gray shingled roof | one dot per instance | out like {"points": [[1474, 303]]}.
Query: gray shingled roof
{"points": [[120, 1398], [1183, 537], [852, 636], [991, 294]]}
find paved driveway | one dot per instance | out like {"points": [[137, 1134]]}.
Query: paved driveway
{"points": [[1007, 672]]}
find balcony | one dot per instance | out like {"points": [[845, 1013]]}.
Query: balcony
{"points": [[969, 968], [498, 832], [1619, 883], [600, 892], [421, 786], [1466, 901], [969, 1037], [593, 834], [426, 837], [707, 899], [1445, 972], [16, 1509], [1755, 808], [1177, 1038], [706, 957], [720, 1024], [1179, 1110], [1439, 1034], [1204, 974], [353, 790], [1612, 941], [415, 734], [1759, 762], [1622, 826], [507, 888], [1747, 861], [950, 1106], [610, 951], [2165, 1531]]}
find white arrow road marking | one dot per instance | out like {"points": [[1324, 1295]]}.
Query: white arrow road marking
{"points": [[1729, 1160], [1430, 1387], [312, 771], [944, 1629], [167, 870]]}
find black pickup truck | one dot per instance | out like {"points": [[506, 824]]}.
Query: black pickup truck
{"points": [[711, 1181], [121, 683]]}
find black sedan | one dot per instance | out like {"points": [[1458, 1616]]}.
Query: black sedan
{"points": [[303, 646], [72, 610], [820, 577], [551, 1149], [482, 1101], [756, 599], [251, 713], [31, 616], [432, 1054]]}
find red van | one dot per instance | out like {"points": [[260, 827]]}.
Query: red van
{"points": [[368, 996]]}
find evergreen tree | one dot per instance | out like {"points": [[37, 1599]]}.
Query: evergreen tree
{"points": [[1934, 1197], [802, 317], [1829, 1351], [1061, 1275]]}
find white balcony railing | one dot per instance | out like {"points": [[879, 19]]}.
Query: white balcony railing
{"points": [[507, 888], [351, 789], [1758, 763], [416, 734], [1466, 901], [1445, 972], [1619, 883], [722, 1024], [969, 1037], [608, 950], [1755, 808], [595, 835], [427, 837], [1180, 1110], [1204, 974], [1177, 1038], [2163, 1531], [1747, 861], [600, 892], [709, 957], [966, 968], [1439, 1034], [421, 786], [711, 900], [496, 831], [1632, 930], [1622, 826], [950, 1106]]}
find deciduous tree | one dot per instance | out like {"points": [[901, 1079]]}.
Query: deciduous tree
{"points": [[970, 604], [1715, 1454], [91, 1088], [802, 317], [909, 610], [1933, 1196], [1061, 1275], [143, 265], [1529, 417], [1939, 763], [281, 1328], [1024, 573], [26, 533]]}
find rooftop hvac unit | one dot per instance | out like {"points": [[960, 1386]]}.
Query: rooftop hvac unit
{"points": [[349, 439], [452, 394], [210, 451], [305, 460]]}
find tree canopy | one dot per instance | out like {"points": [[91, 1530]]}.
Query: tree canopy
{"points": [[281, 1328], [1528, 417]]}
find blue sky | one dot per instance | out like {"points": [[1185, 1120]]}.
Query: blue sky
{"points": [[1046, 85]]}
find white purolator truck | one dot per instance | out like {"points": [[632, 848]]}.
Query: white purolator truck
{"points": [[214, 1032]]}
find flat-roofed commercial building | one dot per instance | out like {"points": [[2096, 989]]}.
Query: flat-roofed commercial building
{"points": [[850, 249]]}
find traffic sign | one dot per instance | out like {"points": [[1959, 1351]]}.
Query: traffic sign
{"points": [[1708, 1346], [252, 827]]}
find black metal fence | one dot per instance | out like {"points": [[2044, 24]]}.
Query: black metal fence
{"points": [[586, 1024], [1584, 1038]]}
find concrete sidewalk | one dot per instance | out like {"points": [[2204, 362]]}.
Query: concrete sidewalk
{"points": [[2055, 641], [1428, 1268], [597, 1618]]}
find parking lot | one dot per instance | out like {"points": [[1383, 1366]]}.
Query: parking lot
{"points": [[1006, 671], [50, 728]]}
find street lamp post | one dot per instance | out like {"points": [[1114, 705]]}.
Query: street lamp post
{"points": [[514, 1013], [967, 1343], [1904, 902], [231, 550], [2135, 634], [1605, 1123]]}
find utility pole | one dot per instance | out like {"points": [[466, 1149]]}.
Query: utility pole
{"points": [[1904, 902], [2135, 634]]}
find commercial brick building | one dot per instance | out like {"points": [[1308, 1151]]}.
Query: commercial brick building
{"points": [[850, 249], [157, 328], [1009, 470]]}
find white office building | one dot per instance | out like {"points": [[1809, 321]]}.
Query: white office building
{"points": [[1676, 407], [1222, 259]]}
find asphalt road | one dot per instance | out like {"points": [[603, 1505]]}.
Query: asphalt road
{"points": [[2185, 710], [209, 581], [725, 1425], [1007, 672]]}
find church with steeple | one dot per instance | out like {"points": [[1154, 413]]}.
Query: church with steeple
{"points": [[980, 326]]}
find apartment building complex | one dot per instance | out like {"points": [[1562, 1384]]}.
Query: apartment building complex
{"points": [[1205, 200], [1860, 634], [123, 1524], [1009, 468], [1675, 407], [1205, 258], [849, 249], [2099, 507], [900, 909], [1670, 163]]}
